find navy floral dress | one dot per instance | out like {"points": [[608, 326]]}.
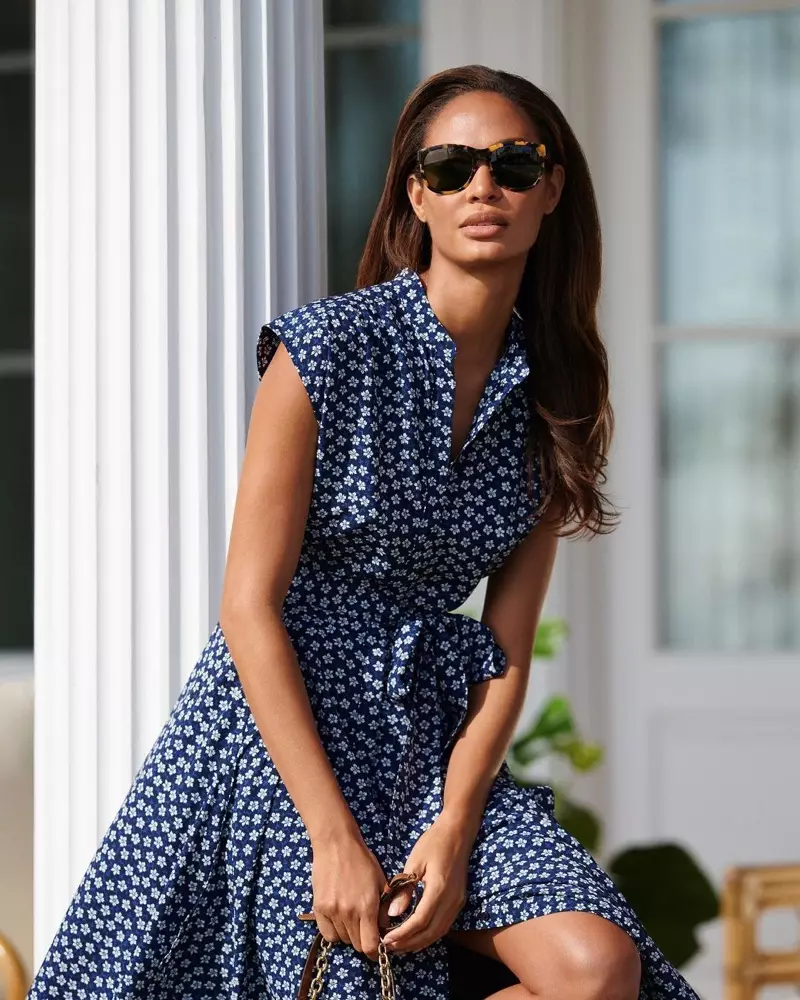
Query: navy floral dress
{"points": [[194, 892]]}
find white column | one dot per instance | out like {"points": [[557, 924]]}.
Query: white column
{"points": [[179, 205]]}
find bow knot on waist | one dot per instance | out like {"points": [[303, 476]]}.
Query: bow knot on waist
{"points": [[458, 649], [434, 657]]}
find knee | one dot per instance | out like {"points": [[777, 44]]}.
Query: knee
{"points": [[605, 966]]}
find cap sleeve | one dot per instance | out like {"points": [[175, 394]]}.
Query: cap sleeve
{"points": [[305, 334]]}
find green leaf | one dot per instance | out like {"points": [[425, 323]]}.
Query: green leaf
{"points": [[583, 756], [554, 719], [669, 892], [550, 637], [581, 822], [524, 753], [553, 731], [531, 782], [677, 940]]}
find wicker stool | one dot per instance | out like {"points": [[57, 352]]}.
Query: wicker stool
{"points": [[748, 892]]}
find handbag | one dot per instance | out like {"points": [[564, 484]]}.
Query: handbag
{"points": [[312, 980]]}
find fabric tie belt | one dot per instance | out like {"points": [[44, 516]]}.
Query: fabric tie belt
{"points": [[435, 656], [460, 651]]}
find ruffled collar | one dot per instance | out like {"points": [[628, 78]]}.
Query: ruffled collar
{"points": [[423, 322]]}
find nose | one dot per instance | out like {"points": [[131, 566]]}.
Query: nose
{"points": [[483, 183]]}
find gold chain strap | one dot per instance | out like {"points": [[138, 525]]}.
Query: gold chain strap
{"points": [[321, 967], [387, 976]]}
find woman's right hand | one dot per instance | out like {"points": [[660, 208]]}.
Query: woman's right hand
{"points": [[347, 881]]}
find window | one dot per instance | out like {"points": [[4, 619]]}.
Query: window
{"points": [[16, 326], [729, 352], [372, 63]]}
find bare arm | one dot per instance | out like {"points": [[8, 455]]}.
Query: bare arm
{"points": [[269, 520], [514, 597]]}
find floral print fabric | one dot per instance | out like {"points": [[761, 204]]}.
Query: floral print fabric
{"points": [[194, 892]]}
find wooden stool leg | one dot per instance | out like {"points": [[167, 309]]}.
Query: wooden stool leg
{"points": [[738, 940]]}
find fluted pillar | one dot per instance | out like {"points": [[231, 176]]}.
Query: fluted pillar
{"points": [[179, 205]]}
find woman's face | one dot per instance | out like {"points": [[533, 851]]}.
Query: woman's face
{"points": [[480, 119]]}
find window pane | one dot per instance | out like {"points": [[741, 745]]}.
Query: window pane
{"points": [[16, 25], [16, 512], [340, 13], [730, 482], [16, 215], [730, 169], [365, 89]]}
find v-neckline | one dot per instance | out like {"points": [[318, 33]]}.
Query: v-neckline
{"points": [[509, 371], [453, 462]]}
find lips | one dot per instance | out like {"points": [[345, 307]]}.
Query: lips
{"points": [[484, 219]]}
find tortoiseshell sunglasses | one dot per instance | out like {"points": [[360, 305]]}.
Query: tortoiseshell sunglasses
{"points": [[515, 164]]}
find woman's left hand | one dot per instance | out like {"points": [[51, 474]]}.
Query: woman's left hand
{"points": [[440, 858]]}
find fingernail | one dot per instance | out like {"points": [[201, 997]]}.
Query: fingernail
{"points": [[395, 907]]}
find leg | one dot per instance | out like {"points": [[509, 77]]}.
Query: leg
{"points": [[568, 955], [739, 937]]}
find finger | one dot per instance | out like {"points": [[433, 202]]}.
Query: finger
{"points": [[369, 937], [341, 929], [418, 920], [425, 937], [400, 903], [327, 928], [354, 930], [427, 934], [383, 915]]}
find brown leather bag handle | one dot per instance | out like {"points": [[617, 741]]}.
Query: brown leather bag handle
{"points": [[317, 960]]}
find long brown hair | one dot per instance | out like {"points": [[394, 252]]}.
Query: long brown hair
{"points": [[572, 419]]}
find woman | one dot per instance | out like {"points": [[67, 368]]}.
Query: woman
{"points": [[445, 421]]}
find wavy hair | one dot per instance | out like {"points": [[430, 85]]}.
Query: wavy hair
{"points": [[572, 419]]}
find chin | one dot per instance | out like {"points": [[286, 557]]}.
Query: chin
{"points": [[487, 253]]}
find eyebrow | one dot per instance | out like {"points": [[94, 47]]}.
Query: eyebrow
{"points": [[513, 138]]}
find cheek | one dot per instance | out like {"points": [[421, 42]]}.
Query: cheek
{"points": [[443, 217], [529, 223]]}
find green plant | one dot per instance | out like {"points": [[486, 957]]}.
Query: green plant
{"points": [[662, 882]]}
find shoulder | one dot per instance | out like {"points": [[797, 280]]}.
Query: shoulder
{"points": [[365, 308], [330, 326], [329, 334]]}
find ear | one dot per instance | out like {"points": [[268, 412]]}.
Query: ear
{"points": [[555, 181], [415, 189]]}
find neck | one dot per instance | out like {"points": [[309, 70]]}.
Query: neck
{"points": [[474, 306]]}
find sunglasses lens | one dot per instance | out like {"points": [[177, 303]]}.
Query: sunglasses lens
{"points": [[517, 167], [446, 171]]}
